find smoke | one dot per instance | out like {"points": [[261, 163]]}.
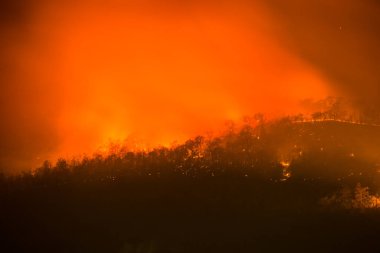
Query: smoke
{"points": [[77, 75], [339, 38]]}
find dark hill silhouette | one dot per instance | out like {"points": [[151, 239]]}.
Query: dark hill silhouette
{"points": [[282, 185]]}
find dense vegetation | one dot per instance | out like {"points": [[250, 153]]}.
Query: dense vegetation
{"points": [[284, 185]]}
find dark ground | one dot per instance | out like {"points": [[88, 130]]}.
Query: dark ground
{"points": [[210, 215], [228, 196]]}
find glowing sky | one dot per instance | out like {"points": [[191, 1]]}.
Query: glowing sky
{"points": [[76, 75]]}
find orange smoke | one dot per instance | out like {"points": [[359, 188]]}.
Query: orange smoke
{"points": [[160, 72]]}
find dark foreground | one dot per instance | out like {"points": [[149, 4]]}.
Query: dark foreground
{"points": [[259, 189], [209, 215]]}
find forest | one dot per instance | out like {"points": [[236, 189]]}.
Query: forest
{"points": [[288, 184]]}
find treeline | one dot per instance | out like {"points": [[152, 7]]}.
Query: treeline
{"points": [[264, 186], [338, 108], [275, 151]]}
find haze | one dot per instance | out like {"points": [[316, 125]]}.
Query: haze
{"points": [[76, 76]]}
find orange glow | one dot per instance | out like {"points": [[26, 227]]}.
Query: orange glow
{"points": [[161, 72]]}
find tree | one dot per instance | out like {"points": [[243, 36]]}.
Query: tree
{"points": [[362, 198]]}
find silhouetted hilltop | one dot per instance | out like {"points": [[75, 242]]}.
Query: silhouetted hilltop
{"points": [[276, 150], [268, 186]]}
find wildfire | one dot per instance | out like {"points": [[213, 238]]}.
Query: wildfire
{"points": [[286, 173]]}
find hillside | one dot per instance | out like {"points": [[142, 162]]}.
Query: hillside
{"points": [[278, 186]]}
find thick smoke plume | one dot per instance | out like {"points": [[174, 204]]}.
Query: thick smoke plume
{"points": [[76, 75]]}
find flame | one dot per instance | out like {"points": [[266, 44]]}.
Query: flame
{"points": [[161, 72], [285, 164], [286, 173]]}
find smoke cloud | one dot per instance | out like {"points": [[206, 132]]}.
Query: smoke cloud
{"points": [[76, 75], [339, 38]]}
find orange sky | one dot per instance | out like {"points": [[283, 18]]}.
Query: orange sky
{"points": [[95, 72], [166, 76]]}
